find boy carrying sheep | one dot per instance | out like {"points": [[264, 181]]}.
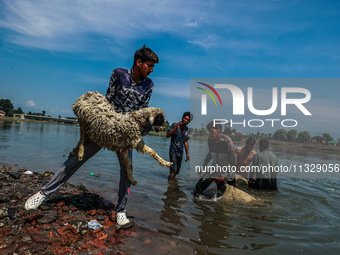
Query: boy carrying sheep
{"points": [[129, 90]]}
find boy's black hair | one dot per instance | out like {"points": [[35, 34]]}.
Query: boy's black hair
{"points": [[264, 144], [251, 141], [188, 114], [145, 54]]}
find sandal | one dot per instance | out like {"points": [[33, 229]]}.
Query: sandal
{"points": [[35, 201], [124, 222]]}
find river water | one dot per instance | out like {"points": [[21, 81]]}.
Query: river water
{"points": [[301, 218]]}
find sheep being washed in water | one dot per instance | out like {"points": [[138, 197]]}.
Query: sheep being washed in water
{"points": [[117, 132]]}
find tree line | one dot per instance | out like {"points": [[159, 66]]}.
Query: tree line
{"points": [[280, 134], [7, 106]]}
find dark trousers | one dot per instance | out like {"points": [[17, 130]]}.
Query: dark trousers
{"points": [[124, 186], [204, 183], [70, 166], [177, 162]]}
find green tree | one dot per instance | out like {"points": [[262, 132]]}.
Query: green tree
{"points": [[304, 136], [43, 113], [6, 105], [327, 136], [19, 111], [280, 134], [291, 134]]}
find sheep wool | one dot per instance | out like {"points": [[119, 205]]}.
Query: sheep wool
{"points": [[117, 132]]}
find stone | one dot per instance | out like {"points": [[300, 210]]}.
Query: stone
{"points": [[3, 213], [48, 218], [14, 175], [101, 217]]}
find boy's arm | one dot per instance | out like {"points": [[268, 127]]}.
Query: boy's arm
{"points": [[173, 129], [186, 146]]}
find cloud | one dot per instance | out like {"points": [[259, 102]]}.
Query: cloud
{"points": [[172, 87], [58, 24], [30, 103], [70, 25], [206, 42]]}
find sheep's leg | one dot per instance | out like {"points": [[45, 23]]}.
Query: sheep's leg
{"points": [[81, 143], [74, 151], [142, 147], [125, 159], [81, 150]]}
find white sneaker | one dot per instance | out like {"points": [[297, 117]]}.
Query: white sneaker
{"points": [[35, 201], [123, 221]]}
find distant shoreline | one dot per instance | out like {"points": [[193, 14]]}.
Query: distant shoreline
{"points": [[273, 143], [5, 118]]}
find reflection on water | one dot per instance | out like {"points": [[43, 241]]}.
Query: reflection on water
{"points": [[302, 218], [172, 214]]}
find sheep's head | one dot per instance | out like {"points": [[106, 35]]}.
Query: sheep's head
{"points": [[150, 117], [159, 122]]}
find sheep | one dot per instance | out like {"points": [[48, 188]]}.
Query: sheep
{"points": [[118, 132], [233, 195]]}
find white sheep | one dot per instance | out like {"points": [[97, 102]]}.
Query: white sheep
{"points": [[117, 132]]}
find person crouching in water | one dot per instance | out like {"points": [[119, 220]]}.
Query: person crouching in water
{"points": [[221, 151]]}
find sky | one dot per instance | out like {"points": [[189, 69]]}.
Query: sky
{"points": [[52, 52]]}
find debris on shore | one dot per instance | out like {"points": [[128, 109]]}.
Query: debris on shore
{"points": [[74, 220]]}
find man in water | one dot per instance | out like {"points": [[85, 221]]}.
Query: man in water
{"points": [[221, 151], [264, 163], [179, 134], [129, 90]]}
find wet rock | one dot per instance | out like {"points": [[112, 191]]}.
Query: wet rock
{"points": [[101, 217], [82, 188], [101, 211], [12, 212], [65, 208], [18, 196], [26, 238], [3, 199], [44, 207], [80, 226], [15, 175], [47, 219], [3, 213], [92, 212], [33, 216]]}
